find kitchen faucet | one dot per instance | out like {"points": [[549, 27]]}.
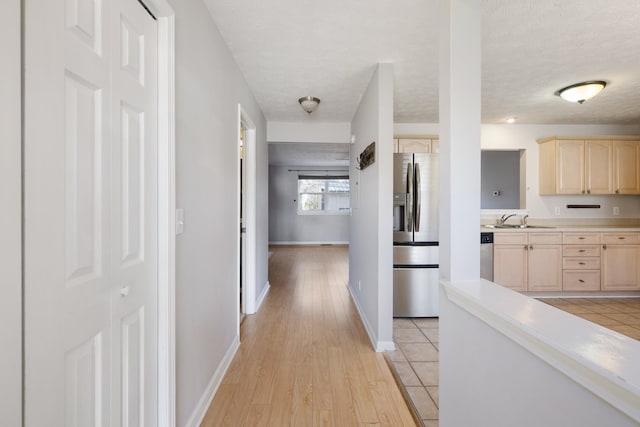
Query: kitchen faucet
{"points": [[504, 218]]}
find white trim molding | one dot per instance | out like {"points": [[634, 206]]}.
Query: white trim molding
{"points": [[209, 393], [166, 212], [250, 212], [263, 295], [379, 346]]}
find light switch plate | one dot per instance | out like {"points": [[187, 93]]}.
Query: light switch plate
{"points": [[179, 221]]}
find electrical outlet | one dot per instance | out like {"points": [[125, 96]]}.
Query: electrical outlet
{"points": [[616, 211], [557, 210]]}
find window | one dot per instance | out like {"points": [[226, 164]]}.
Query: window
{"points": [[323, 195]]}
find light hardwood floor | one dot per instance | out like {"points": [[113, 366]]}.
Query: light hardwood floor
{"points": [[305, 358]]}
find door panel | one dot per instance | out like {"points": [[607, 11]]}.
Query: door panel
{"points": [[67, 177], [415, 292], [428, 196], [134, 214], [402, 167], [90, 214]]}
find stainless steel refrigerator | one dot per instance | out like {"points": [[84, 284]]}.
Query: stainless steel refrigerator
{"points": [[415, 235]]}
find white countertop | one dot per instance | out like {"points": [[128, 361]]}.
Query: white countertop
{"points": [[602, 360], [565, 228]]}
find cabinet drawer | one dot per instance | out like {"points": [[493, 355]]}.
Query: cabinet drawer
{"points": [[545, 238], [581, 238], [581, 263], [509, 238], [581, 250], [620, 238], [581, 280]]}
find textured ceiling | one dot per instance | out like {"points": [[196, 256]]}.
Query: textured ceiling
{"points": [[292, 48]]}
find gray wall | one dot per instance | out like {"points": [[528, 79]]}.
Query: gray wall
{"points": [[10, 217], [500, 171], [286, 226], [209, 87], [371, 225]]}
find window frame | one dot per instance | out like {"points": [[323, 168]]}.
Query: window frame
{"points": [[325, 194]]}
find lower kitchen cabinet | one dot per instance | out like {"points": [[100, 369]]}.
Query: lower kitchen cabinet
{"points": [[620, 267], [528, 261], [581, 280], [567, 261], [510, 266], [545, 267]]}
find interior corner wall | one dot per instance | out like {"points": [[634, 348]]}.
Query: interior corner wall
{"points": [[209, 87], [286, 226], [370, 226], [10, 216]]}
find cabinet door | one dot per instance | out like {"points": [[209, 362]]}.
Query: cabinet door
{"points": [[414, 145], [570, 167], [626, 158], [598, 167], [545, 268], [510, 266], [620, 270]]}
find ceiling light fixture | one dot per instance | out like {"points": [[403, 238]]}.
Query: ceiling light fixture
{"points": [[511, 120], [309, 103], [580, 92]]}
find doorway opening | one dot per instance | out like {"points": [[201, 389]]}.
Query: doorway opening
{"points": [[243, 228], [246, 205]]}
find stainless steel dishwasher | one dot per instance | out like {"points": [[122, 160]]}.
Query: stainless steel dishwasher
{"points": [[486, 255]]}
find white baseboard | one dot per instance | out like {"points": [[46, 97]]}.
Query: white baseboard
{"points": [[207, 397], [263, 295], [379, 346], [307, 243]]}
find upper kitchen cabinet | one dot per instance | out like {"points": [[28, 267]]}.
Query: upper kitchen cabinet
{"points": [[626, 161], [589, 165], [422, 144]]}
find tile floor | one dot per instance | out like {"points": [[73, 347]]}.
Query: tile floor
{"points": [[619, 314], [415, 360]]}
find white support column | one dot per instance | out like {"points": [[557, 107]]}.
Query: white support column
{"points": [[460, 56]]}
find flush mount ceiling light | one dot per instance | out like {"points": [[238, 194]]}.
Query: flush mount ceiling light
{"points": [[580, 92], [309, 103]]}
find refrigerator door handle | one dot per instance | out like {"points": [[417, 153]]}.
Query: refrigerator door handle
{"points": [[409, 202], [418, 200]]}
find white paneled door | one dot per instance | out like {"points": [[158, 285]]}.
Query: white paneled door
{"points": [[90, 213]]}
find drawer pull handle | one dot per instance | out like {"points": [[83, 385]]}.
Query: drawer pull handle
{"points": [[581, 238], [526, 247], [604, 246], [580, 280], [582, 250], [621, 238], [581, 263]]}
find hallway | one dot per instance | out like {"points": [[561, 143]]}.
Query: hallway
{"points": [[305, 358]]}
